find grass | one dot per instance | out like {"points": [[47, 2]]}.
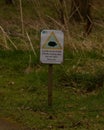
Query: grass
{"points": [[23, 96], [78, 90]]}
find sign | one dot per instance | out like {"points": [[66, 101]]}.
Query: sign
{"points": [[51, 46]]}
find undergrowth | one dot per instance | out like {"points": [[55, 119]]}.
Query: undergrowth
{"points": [[78, 82]]}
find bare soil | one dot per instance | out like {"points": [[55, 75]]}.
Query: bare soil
{"points": [[6, 124]]}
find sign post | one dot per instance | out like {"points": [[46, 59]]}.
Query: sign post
{"points": [[50, 84], [51, 52]]}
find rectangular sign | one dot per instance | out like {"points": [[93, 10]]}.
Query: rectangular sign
{"points": [[51, 46]]}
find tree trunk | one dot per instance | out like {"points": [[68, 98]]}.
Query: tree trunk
{"points": [[81, 11]]}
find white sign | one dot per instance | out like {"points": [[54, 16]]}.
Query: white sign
{"points": [[51, 46]]}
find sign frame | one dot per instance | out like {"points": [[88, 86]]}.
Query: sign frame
{"points": [[51, 47]]}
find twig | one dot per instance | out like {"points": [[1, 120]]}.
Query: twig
{"points": [[21, 13], [7, 37], [31, 44]]}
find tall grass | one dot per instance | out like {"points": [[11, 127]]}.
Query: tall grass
{"points": [[37, 15], [23, 80], [34, 18]]}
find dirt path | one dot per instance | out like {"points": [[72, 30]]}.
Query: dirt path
{"points": [[5, 124]]}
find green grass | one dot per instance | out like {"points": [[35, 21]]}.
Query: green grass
{"points": [[78, 90], [23, 96]]}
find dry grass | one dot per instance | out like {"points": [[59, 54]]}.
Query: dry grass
{"points": [[47, 18]]}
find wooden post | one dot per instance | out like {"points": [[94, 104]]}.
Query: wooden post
{"points": [[50, 84]]}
